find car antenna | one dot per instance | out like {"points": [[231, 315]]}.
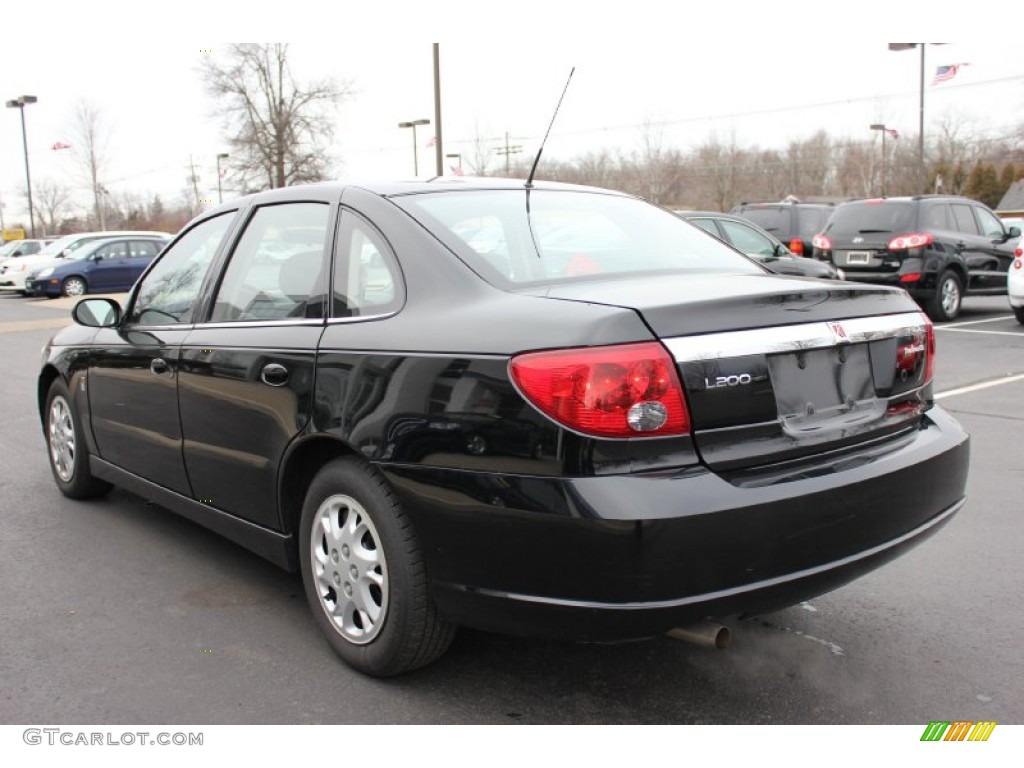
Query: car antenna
{"points": [[533, 170]]}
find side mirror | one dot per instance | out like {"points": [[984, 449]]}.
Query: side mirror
{"points": [[97, 257], [97, 313], [1012, 232]]}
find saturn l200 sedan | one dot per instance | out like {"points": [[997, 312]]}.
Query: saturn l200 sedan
{"points": [[534, 409]]}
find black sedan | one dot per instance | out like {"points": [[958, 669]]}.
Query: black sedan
{"points": [[528, 408], [759, 244]]}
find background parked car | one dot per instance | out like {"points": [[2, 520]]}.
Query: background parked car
{"points": [[14, 272], [17, 248], [1015, 285], [938, 247], [102, 265], [793, 223], [758, 244]]}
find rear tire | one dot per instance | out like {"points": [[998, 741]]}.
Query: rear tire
{"points": [[945, 303], [364, 574], [65, 440], [1019, 313]]}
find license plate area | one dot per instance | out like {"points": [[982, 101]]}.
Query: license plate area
{"points": [[858, 257], [819, 388]]}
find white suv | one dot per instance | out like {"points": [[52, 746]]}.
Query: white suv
{"points": [[14, 272]]}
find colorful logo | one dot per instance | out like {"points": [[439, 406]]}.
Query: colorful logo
{"points": [[958, 730]]}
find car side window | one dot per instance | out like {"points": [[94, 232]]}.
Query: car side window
{"points": [[990, 225], [169, 291], [936, 217], [277, 269], [367, 280], [745, 239], [964, 219], [118, 250], [708, 225], [141, 248]]}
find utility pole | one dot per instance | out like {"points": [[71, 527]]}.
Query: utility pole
{"points": [[438, 151], [507, 151], [193, 179]]}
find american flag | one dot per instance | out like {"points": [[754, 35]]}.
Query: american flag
{"points": [[59, 145], [893, 133], [944, 73]]}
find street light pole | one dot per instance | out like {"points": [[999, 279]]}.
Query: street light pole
{"points": [[881, 127], [920, 129], [220, 192], [19, 103], [415, 152]]}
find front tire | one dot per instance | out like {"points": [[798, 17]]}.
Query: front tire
{"points": [[945, 304], [1019, 314], [69, 458], [364, 575], [74, 286]]}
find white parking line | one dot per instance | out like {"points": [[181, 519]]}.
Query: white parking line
{"points": [[975, 322], [1018, 334], [980, 385]]}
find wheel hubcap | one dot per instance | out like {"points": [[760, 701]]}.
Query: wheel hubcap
{"points": [[62, 439], [74, 288], [950, 297], [349, 569]]}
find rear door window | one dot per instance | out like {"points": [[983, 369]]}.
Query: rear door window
{"points": [[277, 269]]}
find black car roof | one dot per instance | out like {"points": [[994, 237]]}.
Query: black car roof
{"points": [[398, 187]]}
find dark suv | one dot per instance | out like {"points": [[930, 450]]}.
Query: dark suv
{"points": [[938, 247], [795, 224]]}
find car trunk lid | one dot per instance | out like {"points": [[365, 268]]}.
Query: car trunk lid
{"points": [[778, 370]]}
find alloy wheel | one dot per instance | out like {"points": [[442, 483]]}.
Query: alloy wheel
{"points": [[62, 439], [349, 569], [950, 297]]}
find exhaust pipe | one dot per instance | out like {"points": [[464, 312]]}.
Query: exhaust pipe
{"points": [[706, 634]]}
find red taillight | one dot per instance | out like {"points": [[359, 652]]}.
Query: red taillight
{"points": [[910, 277], [929, 363], [796, 245], [1017, 263], [630, 390], [822, 242], [916, 240]]}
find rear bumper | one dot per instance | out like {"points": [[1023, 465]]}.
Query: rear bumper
{"points": [[635, 555]]}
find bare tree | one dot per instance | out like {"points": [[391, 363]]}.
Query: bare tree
{"points": [[720, 164], [481, 155], [90, 139], [278, 130], [53, 203]]}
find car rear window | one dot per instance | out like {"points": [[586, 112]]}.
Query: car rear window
{"points": [[774, 220], [514, 239], [884, 216], [810, 221]]}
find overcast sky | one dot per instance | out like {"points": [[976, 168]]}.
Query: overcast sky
{"points": [[759, 74]]}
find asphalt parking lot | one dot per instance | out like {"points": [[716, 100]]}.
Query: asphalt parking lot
{"points": [[118, 612]]}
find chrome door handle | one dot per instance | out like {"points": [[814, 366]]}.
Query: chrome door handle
{"points": [[274, 375]]}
